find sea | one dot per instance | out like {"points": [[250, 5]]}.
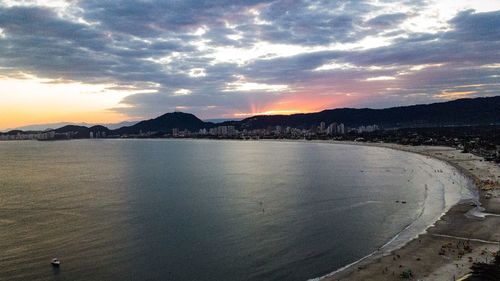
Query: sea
{"points": [[163, 209]]}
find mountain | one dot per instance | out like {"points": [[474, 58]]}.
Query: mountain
{"points": [[462, 112], [71, 128], [221, 120], [48, 126], [15, 132], [82, 131], [77, 131], [165, 124], [478, 111], [51, 126], [114, 126], [100, 129]]}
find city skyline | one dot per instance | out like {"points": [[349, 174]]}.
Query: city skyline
{"points": [[106, 62]]}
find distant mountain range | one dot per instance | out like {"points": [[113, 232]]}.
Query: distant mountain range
{"points": [[220, 120], [477, 111], [49, 126]]}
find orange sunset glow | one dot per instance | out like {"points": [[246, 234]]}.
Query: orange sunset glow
{"points": [[303, 102], [73, 61], [249, 140], [27, 99]]}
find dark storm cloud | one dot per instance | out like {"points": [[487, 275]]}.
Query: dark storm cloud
{"points": [[44, 22], [208, 99], [155, 18], [455, 58], [387, 20], [470, 26], [169, 44], [474, 39], [314, 22], [417, 49], [39, 41]]}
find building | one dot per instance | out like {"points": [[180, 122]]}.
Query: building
{"points": [[322, 127], [341, 129]]}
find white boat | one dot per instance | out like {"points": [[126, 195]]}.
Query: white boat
{"points": [[55, 262]]}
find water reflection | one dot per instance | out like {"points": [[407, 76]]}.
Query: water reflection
{"points": [[191, 209]]}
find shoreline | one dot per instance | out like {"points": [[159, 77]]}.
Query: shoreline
{"points": [[439, 253], [446, 249]]}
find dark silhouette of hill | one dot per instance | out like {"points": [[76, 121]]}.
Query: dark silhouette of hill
{"points": [[71, 128], [99, 129], [82, 131], [165, 124], [462, 112], [478, 111], [77, 131], [15, 132]]}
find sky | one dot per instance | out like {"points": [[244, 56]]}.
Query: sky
{"points": [[105, 61]]}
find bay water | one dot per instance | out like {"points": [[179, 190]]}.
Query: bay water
{"points": [[209, 210]]}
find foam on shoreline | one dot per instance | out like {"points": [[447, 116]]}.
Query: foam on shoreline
{"points": [[451, 197]]}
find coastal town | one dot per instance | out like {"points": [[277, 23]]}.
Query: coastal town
{"points": [[465, 239], [461, 245], [250, 140], [483, 141]]}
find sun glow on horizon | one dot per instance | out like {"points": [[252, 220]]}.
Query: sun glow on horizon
{"points": [[243, 85], [299, 102], [27, 99], [101, 62], [270, 112]]}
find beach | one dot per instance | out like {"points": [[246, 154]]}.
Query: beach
{"points": [[465, 234], [118, 210], [122, 209]]}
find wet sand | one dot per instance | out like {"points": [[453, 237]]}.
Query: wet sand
{"points": [[449, 247]]}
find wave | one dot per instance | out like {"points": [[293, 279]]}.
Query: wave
{"points": [[450, 196]]}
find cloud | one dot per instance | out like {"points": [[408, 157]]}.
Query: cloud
{"points": [[192, 54], [387, 20], [471, 26]]}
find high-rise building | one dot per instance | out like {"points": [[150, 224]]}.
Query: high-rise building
{"points": [[278, 130], [322, 127], [341, 129], [332, 129]]}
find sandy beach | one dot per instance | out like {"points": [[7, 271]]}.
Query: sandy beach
{"points": [[465, 234]]}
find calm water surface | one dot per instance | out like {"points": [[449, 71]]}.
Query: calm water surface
{"points": [[208, 210]]}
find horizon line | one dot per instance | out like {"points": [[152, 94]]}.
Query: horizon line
{"points": [[5, 130]]}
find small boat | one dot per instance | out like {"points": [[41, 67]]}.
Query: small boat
{"points": [[55, 262]]}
